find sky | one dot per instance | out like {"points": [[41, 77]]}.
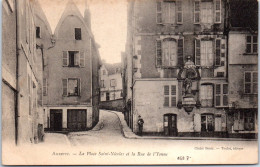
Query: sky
{"points": [[108, 23]]}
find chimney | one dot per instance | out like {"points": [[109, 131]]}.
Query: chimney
{"points": [[87, 16]]}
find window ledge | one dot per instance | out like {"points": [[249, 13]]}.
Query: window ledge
{"points": [[250, 94]]}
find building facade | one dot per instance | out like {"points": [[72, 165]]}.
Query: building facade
{"points": [[71, 74], [175, 64], [110, 81], [243, 68], [22, 113]]}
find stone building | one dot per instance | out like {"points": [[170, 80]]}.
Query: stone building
{"points": [[22, 113], [110, 81], [243, 68], [176, 67], [71, 74]]}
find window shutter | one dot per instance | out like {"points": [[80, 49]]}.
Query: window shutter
{"points": [[79, 87], [65, 87], [159, 12], [82, 59], [225, 94], [179, 12], [173, 93], [197, 51], [180, 52], [65, 58], [196, 12], [158, 53], [218, 52], [217, 11], [218, 94], [77, 58]]}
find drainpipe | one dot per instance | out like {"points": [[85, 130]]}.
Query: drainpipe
{"points": [[18, 50]]}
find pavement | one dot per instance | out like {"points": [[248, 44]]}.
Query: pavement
{"points": [[127, 133], [118, 128]]}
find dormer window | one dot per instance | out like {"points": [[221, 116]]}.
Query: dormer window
{"points": [[78, 33]]}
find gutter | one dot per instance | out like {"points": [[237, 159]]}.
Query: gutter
{"points": [[18, 52]]}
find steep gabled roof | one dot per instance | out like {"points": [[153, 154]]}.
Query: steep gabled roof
{"points": [[71, 9], [41, 15], [244, 14], [111, 68]]}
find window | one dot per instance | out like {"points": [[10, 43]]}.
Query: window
{"points": [[44, 87], [206, 12], [169, 52], [168, 12], [251, 78], [102, 84], [249, 120], [170, 96], [112, 83], [206, 95], [207, 122], [38, 32], [71, 87], [244, 120], [179, 12], [78, 33], [73, 59], [221, 95], [251, 44], [206, 53], [107, 96]]}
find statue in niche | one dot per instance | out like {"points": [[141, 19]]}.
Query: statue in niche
{"points": [[187, 86]]}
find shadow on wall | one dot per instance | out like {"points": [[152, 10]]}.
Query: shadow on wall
{"points": [[116, 105]]}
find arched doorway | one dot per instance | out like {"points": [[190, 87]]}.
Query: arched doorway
{"points": [[170, 124]]}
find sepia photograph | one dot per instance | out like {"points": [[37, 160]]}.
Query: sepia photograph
{"points": [[129, 82]]}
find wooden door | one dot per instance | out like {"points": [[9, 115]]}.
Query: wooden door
{"points": [[76, 119], [170, 125]]}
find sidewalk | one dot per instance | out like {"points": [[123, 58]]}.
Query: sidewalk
{"points": [[55, 139], [127, 133]]}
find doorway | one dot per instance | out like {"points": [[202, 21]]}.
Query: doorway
{"points": [[170, 124], [77, 119], [56, 119]]}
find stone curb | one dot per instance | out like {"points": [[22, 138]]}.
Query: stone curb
{"points": [[127, 133]]}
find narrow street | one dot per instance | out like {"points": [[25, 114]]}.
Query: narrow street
{"points": [[111, 135]]}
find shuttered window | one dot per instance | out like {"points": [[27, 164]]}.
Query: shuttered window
{"points": [[196, 12], [217, 11], [170, 96], [179, 12], [221, 95], [206, 53], [169, 52], [158, 53], [218, 52], [206, 12], [159, 12], [168, 12], [197, 51]]}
